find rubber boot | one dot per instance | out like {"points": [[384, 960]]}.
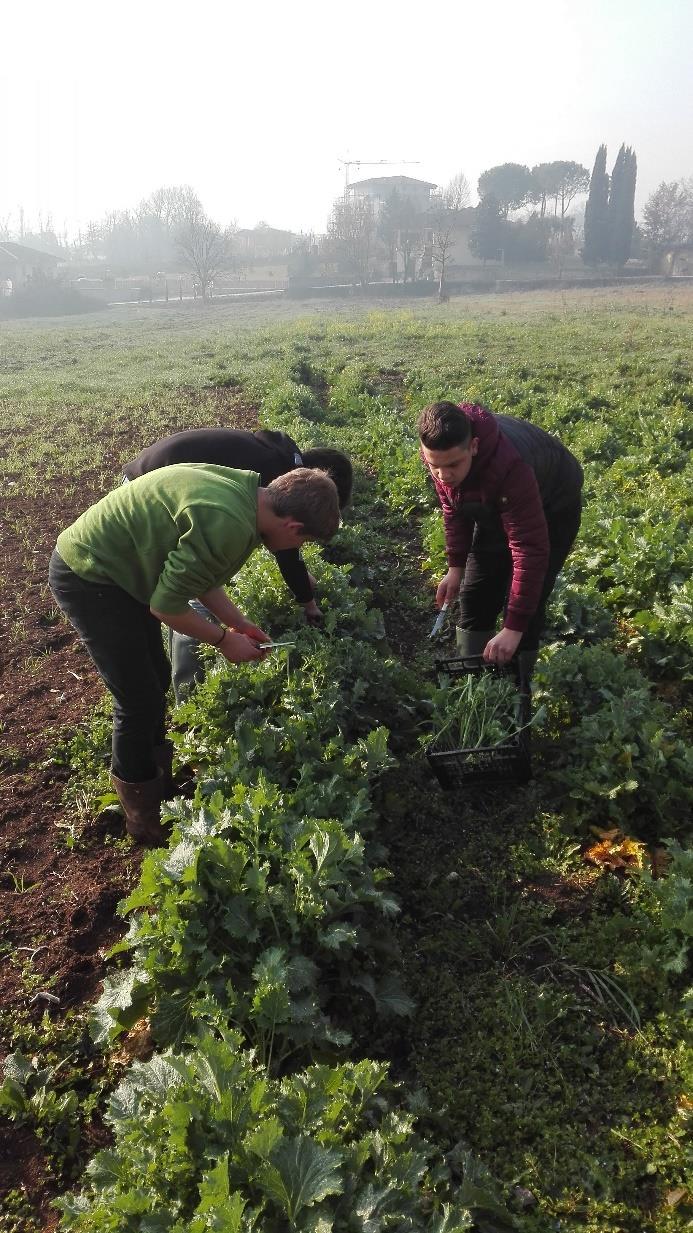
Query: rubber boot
{"points": [[163, 756], [142, 808], [471, 642]]}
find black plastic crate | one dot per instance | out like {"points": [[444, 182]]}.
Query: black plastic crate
{"points": [[509, 762]]}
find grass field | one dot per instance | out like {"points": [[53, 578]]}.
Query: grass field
{"points": [[543, 932]]}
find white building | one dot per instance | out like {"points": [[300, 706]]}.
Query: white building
{"points": [[379, 190]]}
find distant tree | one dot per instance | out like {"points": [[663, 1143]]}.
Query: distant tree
{"points": [[399, 228], [443, 223], [457, 194], [574, 179], [560, 182], [388, 227], [156, 243], [171, 204], [596, 245], [543, 186], [144, 240], [204, 245], [159, 217], [528, 240], [444, 215], [351, 233], [487, 237], [409, 237], [304, 259], [621, 213], [668, 215], [510, 184], [639, 247], [116, 240]]}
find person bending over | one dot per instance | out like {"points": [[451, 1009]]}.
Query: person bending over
{"points": [[136, 558], [269, 453], [511, 496]]}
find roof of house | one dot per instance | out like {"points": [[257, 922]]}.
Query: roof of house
{"points": [[263, 232], [22, 252], [393, 182]]}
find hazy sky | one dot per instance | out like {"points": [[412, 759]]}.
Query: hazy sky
{"points": [[254, 103]]}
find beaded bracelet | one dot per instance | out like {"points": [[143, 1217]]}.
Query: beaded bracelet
{"points": [[223, 635]]}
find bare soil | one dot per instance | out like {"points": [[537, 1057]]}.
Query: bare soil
{"points": [[57, 905]]}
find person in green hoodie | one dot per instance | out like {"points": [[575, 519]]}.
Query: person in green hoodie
{"points": [[136, 558]]}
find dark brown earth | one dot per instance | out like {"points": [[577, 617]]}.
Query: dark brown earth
{"points": [[57, 905]]}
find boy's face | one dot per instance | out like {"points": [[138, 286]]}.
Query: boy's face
{"points": [[286, 533], [451, 467]]}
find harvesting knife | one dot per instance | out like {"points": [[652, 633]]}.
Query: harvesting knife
{"points": [[439, 621], [270, 646]]}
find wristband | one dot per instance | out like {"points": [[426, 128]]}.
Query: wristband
{"points": [[220, 640]]}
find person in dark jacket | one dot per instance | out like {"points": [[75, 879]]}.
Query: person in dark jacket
{"points": [[511, 496], [270, 454]]}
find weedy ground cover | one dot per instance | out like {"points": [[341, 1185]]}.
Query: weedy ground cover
{"points": [[549, 1026]]}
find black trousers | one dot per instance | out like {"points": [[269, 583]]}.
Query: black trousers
{"points": [[124, 641], [488, 574]]}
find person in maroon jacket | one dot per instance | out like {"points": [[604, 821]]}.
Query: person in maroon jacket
{"points": [[511, 496]]}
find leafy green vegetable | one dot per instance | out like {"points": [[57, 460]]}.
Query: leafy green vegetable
{"points": [[474, 711], [204, 1141]]}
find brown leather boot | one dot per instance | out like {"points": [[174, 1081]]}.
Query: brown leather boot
{"points": [[142, 807], [163, 756]]}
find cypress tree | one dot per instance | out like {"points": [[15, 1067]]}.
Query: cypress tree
{"points": [[596, 246], [622, 206]]}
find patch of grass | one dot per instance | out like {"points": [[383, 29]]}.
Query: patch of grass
{"points": [[18, 1214], [539, 1059]]}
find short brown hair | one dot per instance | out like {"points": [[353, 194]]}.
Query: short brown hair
{"points": [[337, 465], [310, 497], [442, 425]]}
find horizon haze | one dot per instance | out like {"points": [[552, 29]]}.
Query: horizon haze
{"points": [[254, 107]]}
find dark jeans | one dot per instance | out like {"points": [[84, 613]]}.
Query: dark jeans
{"points": [[187, 664], [488, 574], [125, 643]]}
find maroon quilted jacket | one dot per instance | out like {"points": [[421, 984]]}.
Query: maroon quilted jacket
{"points": [[520, 475]]}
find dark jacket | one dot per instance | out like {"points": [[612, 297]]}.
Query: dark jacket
{"points": [[520, 476], [269, 453]]}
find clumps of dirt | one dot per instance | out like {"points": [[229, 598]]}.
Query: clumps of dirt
{"points": [[569, 896], [57, 903], [224, 407], [19, 1143]]}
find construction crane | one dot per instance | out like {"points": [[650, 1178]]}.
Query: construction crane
{"points": [[375, 162]]}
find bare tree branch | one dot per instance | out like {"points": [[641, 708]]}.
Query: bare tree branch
{"points": [[204, 245]]}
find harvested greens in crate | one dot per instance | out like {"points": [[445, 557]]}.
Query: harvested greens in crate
{"points": [[481, 723]]}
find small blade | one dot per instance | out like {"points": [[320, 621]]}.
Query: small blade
{"points": [[439, 621]]}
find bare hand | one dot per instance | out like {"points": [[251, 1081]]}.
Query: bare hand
{"points": [[313, 614], [448, 587], [240, 649], [252, 631], [500, 650]]}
